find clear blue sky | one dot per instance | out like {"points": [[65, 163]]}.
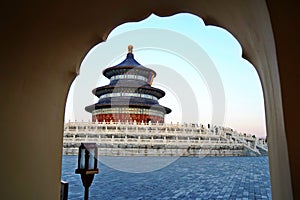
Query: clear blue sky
{"points": [[180, 60]]}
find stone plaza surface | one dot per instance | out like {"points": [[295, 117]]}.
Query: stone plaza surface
{"points": [[186, 178]]}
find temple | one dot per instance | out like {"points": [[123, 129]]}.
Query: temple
{"points": [[129, 95]]}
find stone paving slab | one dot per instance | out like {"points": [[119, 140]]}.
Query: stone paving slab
{"points": [[187, 178]]}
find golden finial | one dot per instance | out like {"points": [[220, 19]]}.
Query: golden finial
{"points": [[130, 47]]}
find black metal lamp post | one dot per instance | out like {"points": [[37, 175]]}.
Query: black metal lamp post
{"points": [[87, 165]]}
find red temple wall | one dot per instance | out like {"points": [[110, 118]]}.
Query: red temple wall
{"points": [[130, 117]]}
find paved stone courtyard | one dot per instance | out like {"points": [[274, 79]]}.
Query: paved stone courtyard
{"points": [[186, 178]]}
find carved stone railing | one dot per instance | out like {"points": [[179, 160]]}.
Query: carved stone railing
{"points": [[158, 134]]}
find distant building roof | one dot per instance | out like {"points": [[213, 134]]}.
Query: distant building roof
{"points": [[129, 61]]}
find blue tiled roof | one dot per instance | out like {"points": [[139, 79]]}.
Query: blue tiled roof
{"points": [[127, 101], [129, 83], [129, 61]]}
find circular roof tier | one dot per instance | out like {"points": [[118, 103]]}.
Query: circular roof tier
{"points": [[125, 104], [129, 82], [128, 88], [119, 70], [128, 100], [128, 66]]}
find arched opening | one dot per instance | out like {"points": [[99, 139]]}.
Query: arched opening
{"points": [[231, 72]]}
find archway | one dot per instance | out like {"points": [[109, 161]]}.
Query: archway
{"points": [[102, 55]]}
